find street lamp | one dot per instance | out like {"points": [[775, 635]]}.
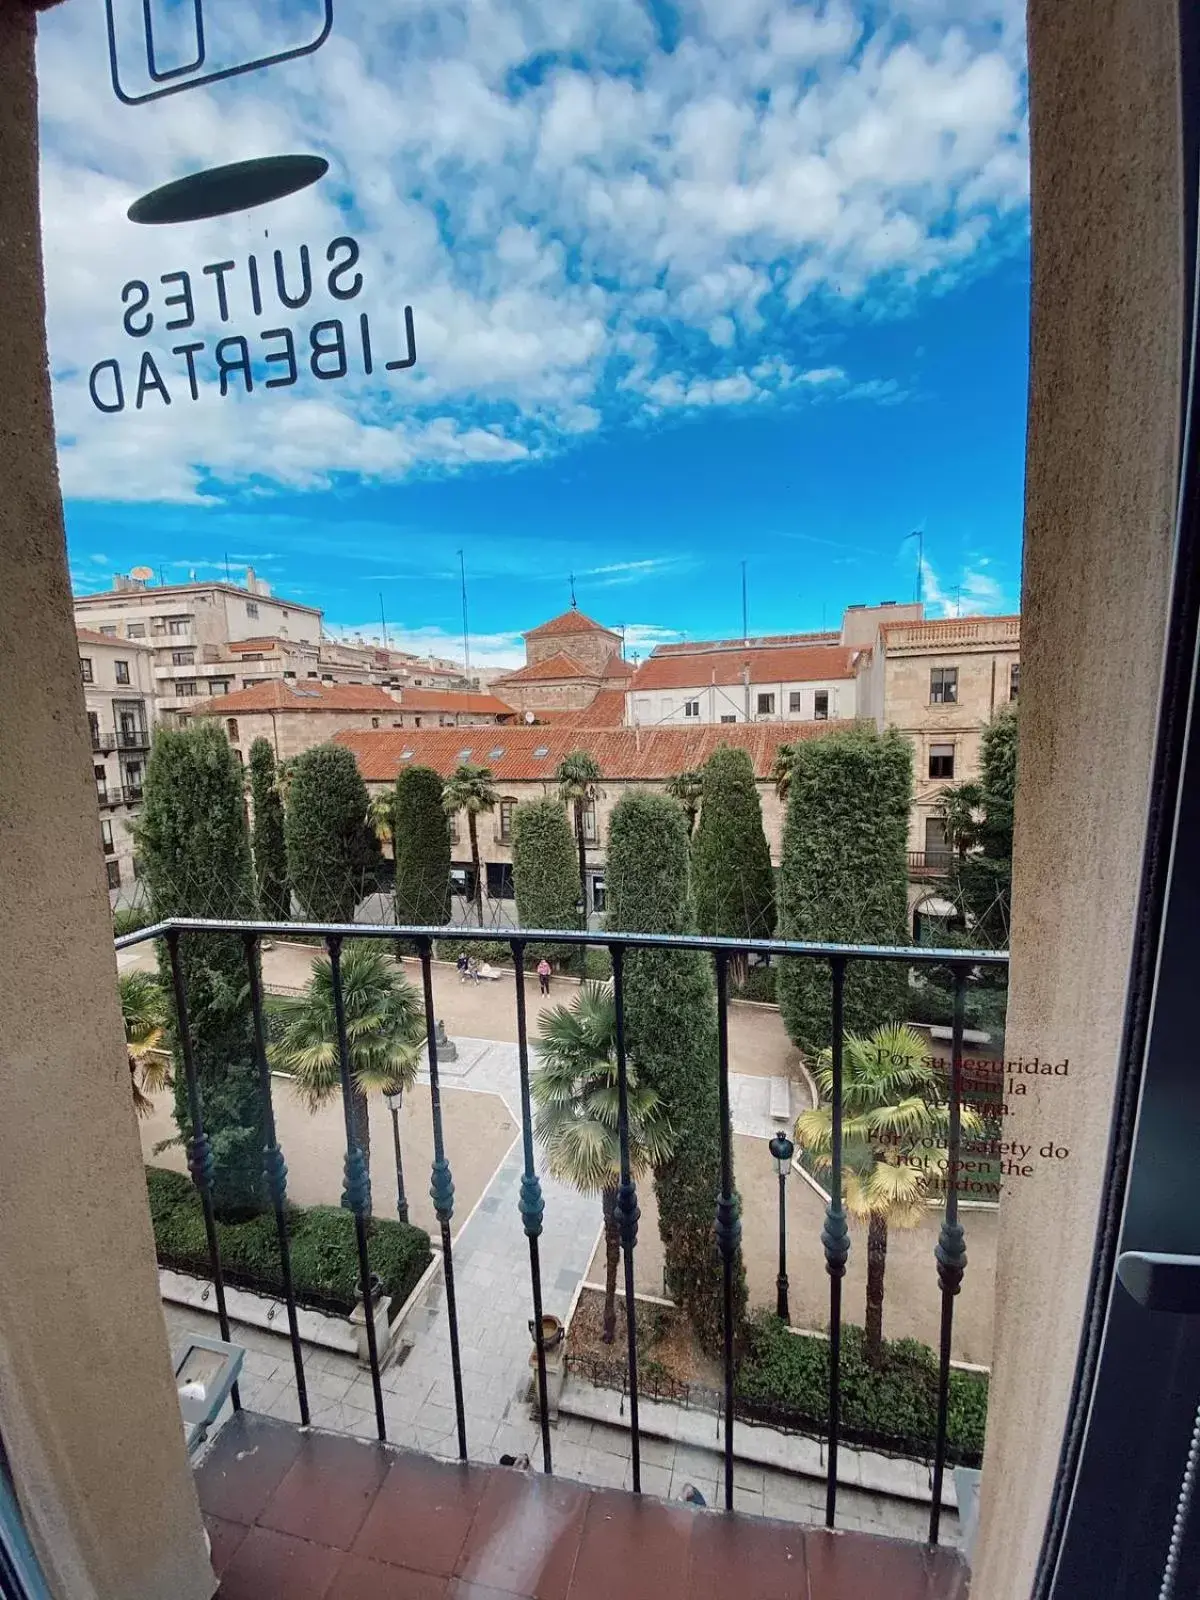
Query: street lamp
{"points": [[782, 1150], [395, 1101], [580, 910]]}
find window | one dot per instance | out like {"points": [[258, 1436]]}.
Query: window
{"points": [[312, 674], [219, 686], [691, 708], [454, 828], [182, 658], [231, 729], [766, 705], [122, 671], [589, 822], [937, 847], [821, 705], [327, 677], [416, 722], [85, 669], [495, 752], [114, 874], [374, 722], [94, 729], [943, 686], [135, 630], [541, 752], [109, 630], [507, 807], [794, 697], [941, 760], [728, 718], [1014, 680], [499, 880], [186, 688], [100, 775], [289, 674], [251, 608], [240, 759], [177, 625], [133, 780], [597, 891], [106, 837]]}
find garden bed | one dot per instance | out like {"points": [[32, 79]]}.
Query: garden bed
{"points": [[667, 1349], [324, 1248]]}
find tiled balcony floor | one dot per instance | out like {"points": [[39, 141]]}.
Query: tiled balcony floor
{"points": [[313, 1516]]}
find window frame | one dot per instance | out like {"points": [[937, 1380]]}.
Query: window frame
{"points": [[767, 710], [121, 673], [948, 681], [86, 670], [937, 752]]}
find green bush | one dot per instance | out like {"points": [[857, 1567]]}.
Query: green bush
{"points": [[494, 951], [758, 984], [323, 1241], [421, 843], [128, 919], [892, 1407]]}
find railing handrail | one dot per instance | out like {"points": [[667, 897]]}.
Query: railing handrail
{"points": [[925, 955]]}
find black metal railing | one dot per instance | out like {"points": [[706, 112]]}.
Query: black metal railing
{"points": [[936, 863], [950, 1253], [104, 739]]}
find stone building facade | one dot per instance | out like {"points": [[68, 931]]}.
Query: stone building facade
{"points": [[568, 662], [118, 692]]}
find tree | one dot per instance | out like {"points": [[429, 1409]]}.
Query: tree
{"points": [[421, 844], [385, 1033], [382, 818], [578, 778], [144, 1014], [894, 1107], [671, 1028], [470, 789], [844, 877], [270, 851], [732, 878], [544, 871], [195, 852], [686, 787], [576, 1117], [332, 852]]}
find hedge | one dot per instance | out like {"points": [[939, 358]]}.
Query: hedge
{"points": [[324, 1247], [758, 984], [892, 1407], [129, 919]]}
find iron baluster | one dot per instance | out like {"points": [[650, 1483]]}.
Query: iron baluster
{"points": [[200, 1156], [835, 1237], [951, 1252], [728, 1225], [627, 1211], [531, 1205], [356, 1192], [275, 1169]]}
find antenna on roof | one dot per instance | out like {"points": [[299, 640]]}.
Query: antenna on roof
{"points": [[574, 606], [745, 612]]}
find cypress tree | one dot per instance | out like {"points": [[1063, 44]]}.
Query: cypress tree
{"points": [[844, 878], [671, 1027], [195, 853], [421, 844], [333, 854], [270, 852], [732, 878], [545, 874]]}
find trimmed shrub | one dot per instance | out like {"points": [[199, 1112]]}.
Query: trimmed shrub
{"points": [[890, 1407], [421, 845], [195, 852], [129, 919], [844, 878], [671, 1028], [758, 984], [333, 854], [270, 852], [733, 883], [324, 1247], [546, 876]]}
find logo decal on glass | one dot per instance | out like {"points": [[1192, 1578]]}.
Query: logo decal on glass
{"points": [[161, 47]]}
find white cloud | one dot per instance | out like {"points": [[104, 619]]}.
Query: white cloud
{"points": [[974, 593], [586, 219]]}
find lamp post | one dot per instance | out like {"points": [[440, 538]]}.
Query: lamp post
{"points": [[395, 1101], [782, 1150], [581, 912]]}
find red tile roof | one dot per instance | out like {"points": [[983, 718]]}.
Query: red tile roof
{"points": [[572, 621], [451, 700], [281, 694], [88, 636], [788, 664], [647, 754], [616, 667], [560, 665], [764, 641], [607, 710]]}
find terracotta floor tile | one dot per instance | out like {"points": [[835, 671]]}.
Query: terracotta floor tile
{"points": [[270, 1566], [422, 1515], [525, 1536], [747, 1557], [360, 1579], [460, 1589], [841, 1565], [328, 1490], [949, 1575], [224, 1538], [246, 1464], [639, 1549]]}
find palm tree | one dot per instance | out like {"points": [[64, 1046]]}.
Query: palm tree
{"points": [[381, 816], [470, 789], [781, 771], [578, 778], [575, 1094], [385, 1031], [687, 787], [894, 1106], [144, 1014]]}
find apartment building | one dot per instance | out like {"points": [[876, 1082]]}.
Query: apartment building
{"points": [[568, 662], [754, 680], [118, 691], [939, 683], [294, 717]]}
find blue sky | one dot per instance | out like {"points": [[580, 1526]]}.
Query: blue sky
{"points": [[691, 284]]}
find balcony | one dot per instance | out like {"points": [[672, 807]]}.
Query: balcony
{"points": [[930, 863], [133, 739], [283, 1496], [115, 794]]}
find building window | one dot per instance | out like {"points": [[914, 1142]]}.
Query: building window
{"points": [[766, 705], [691, 708], [133, 780], [312, 674], [589, 823], [94, 729], [597, 891], [106, 837], [416, 722], [1014, 680], [794, 697], [85, 669], [943, 686], [499, 880], [821, 705], [728, 718], [238, 754], [289, 674], [453, 826], [186, 688], [100, 775], [114, 874], [122, 671], [219, 686], [251, 608], [937, 847], [177, 625], [941, 760], [231, 729], [374, 722], [109, 630], [135, 630], [507, 807], [182, 658]]}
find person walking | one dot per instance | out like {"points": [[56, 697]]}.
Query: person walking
{"points": [[463, 963], [543, 972]]}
